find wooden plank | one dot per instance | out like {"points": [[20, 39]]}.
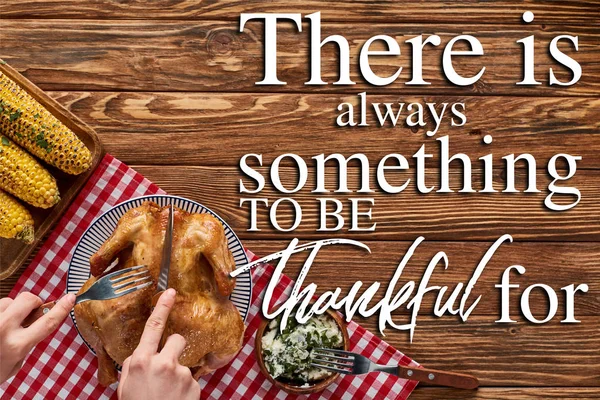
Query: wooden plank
{"points": [[403, 216], [218, 129], [214, 56], [517, 354], [520, 354], [565, 263], [506, 393], [6, 285], [496, 11]]}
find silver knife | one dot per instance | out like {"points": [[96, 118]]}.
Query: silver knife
{"points": [[165, 262]]}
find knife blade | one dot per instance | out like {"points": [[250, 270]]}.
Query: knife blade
{"points": [[165, 262]]}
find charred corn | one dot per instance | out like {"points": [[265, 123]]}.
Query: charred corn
{"points": [[29, 124], [22, 176], [15, 221]]}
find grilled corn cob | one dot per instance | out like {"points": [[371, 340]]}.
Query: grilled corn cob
{"points": [[22, 176], [15, 221], [34, 128]]}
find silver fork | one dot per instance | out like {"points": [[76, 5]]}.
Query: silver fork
{"points": [[110, 286], [345, 362]]}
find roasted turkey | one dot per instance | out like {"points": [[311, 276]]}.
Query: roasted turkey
{"points": [[200, 267]]}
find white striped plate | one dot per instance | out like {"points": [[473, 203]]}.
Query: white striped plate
{"points": [[102, 228]]}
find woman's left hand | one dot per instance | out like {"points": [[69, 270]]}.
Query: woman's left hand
{"points": [[15, 341]]}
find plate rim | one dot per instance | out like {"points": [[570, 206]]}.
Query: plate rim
{"points": [[149, 196]]}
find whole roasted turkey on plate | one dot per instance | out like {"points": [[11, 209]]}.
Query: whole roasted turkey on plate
{"points": [[199, 272]]}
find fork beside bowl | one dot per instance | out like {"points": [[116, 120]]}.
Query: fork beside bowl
{"points": [[341, 361], [345, 362], [293, 387]]}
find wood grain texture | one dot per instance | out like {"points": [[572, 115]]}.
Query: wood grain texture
{"points": [[520, 354], [404, 216], [218, 129], [170, 88], [509, 12], [506, 393], [555, 264], [214, 56], [7, 284]]}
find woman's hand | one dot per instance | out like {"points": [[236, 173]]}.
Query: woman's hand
{"points": [[150, 375], [15, 341]]}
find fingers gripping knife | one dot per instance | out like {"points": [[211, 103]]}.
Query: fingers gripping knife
{"points": [[165, 262]]}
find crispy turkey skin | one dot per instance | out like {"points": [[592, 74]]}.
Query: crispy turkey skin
{"points": [[200, 267]]}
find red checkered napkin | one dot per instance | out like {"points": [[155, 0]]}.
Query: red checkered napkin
{"points": [[62, 366]]}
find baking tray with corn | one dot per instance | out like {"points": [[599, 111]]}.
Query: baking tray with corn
{"points": [[44, 150]]}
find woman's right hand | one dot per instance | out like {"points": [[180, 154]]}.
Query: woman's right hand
{"points": [[149, 374]]}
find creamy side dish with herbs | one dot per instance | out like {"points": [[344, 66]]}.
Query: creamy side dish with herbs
{"points": [[288, 354]]}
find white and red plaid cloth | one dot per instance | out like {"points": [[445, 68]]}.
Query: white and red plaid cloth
{"points": [[63, 367]]}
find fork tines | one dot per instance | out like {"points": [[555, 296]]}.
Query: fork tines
{"points": [[130, 279], [333, 360]]}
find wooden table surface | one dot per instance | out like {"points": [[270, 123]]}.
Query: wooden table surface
{"points": [[169, 87]]}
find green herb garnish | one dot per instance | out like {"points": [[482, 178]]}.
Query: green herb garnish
{"points": [[288, 354], [4, 107], [5, 141], [15, 115], [42, 143]]}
